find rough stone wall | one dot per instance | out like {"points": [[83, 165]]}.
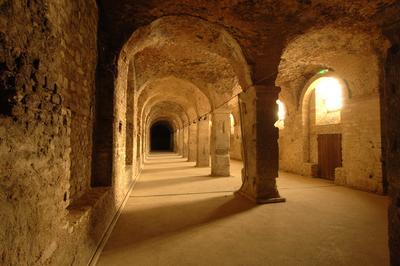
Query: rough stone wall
{"points": [[79, 57], [360, 116], [120, 180], [291, 145], [361, 143], [47, 62]]}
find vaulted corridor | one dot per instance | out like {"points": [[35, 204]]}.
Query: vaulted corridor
{"points": [[197, 132], [178, 215]]}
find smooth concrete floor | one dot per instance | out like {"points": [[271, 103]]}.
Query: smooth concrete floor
{"points": [[178, 215]]}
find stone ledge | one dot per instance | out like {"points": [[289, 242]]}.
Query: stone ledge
{"points": [[86, 203]]}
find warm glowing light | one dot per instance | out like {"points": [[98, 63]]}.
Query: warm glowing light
{"points": [[232, 119], [329, 90], [281, 115], [281, 110]]}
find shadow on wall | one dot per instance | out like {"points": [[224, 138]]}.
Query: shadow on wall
{"points": [[145, 224]]}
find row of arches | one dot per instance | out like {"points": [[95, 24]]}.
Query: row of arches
{"points": [[86, 93], [190, 76]]}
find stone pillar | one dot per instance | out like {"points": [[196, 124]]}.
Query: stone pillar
{"points": [[220, 142], [148, 143], [177, 140], [203, 143], [185, 141], [192, 143], [142, 148], [259, 111], [175, 143]]}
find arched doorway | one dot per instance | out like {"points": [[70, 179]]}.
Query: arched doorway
{"points": [[322, 124], [161, 137]]}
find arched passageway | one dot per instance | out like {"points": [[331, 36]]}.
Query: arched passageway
{"points": [[161, 137], [197, 71], [80, 92]]}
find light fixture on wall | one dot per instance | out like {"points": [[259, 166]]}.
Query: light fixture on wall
{"points": [[323, 71]]}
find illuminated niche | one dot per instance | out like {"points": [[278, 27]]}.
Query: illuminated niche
{"points": [[328, 101]]}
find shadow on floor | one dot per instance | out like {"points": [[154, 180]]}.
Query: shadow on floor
{"points": [[137, 225], [164, 154], [156, 162], [145, 184], [165, 169]]}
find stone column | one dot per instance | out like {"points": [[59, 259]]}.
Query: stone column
{"points": [[192, 143], [148, 143], [142, 140], [203, 143], [259, 111], [185, 141], [220, 142], [177, 140], [181, 142], [175, 143]]}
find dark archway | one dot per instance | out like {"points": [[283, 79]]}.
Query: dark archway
{"points": [[161, 137]]}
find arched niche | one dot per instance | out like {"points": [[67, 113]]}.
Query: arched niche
{"points": [[305, 105]]}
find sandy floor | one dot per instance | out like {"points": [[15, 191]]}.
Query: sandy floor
{"points": [[178, 215]]}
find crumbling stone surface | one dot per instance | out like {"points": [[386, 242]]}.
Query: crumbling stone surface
{"points": [[41, 63]]}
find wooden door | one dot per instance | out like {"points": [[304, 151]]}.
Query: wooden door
{"points": [[329, 155]]}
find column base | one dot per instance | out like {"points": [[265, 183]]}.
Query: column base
{"points": [[220, 166], [220, 175], [260, 200]]}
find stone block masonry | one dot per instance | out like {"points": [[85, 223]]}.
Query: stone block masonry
{"points": [[47, 62]]}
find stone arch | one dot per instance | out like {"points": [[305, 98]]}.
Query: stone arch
{"points": [[200, 33], [163, 49], [352, 53], [166, 110], [304, 107]]}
